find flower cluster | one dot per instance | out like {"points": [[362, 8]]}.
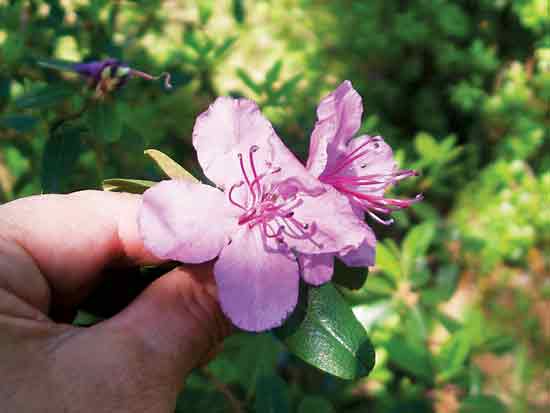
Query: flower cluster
{"points": [[270, 219]]}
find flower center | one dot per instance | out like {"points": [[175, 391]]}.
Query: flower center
{"points": [[264, 204], [367, 189]]}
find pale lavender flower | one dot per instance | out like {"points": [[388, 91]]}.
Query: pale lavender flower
{"points": [[359, 168], [267, 211]]}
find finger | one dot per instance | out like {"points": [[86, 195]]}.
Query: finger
{"points": [[177, 318], [72, 238]]}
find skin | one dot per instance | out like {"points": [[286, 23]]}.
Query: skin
{"points": [[54, 249]]}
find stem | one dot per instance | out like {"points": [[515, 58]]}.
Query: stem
{"points": [[236, 404]]}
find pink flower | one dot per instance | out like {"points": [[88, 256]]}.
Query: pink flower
{"points": [[267, 211], [360, 168]]}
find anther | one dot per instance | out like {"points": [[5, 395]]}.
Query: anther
{"points": [[254, 148]]}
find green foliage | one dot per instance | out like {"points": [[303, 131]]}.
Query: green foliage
{"points": [[461, 91], [323, 331]]}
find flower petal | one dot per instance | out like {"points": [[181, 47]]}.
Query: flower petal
{"points": [[364, 256], [258, 286], [324, 224], [185, 221], [231, 128], [338, 119], [317, 269], [377, 159]]}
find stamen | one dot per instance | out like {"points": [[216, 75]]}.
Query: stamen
{"points": [[147, 76], [230, 196], [350, 157]]}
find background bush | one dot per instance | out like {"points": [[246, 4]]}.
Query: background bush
{"points": [[458, 305]]}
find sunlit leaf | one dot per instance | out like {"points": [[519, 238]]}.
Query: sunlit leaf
{"points": [[171, 168]]}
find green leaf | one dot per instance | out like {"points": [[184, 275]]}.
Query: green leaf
{"points": [[57, 64], [104, 122], [133, 186], [247, 80], [323, 332], [224, 47], [287, 88], [239, 11], [415, 246], [315, 404], [43, 97], [387, 261], [245, 358], [21, 123], [349, 277], [60, 155], [271, 395], [171, 168], [452, 356], [410, 357], [273, 74], [482, 404]]}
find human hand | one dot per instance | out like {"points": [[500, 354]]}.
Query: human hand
{"points": [[54, 249]]}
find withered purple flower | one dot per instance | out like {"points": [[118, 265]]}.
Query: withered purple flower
{"points": [[108, 75]]}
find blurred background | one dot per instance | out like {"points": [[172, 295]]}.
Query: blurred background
{"points": [[458, 305]]}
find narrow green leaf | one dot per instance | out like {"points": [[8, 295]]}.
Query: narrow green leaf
{"points": [[133, 186], [224, 47], [247, 80], [387, 261], [452, 356], [315, 404], [287, 88], [239, 11], [412, 358], [415, 246], [324, 332], [171, 168], [57, 64], [273, 74], [271, 395], [60, 155], [104, 122], [43, 97]]}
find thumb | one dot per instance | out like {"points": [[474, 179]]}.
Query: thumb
{"points": [[177, 320]]}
